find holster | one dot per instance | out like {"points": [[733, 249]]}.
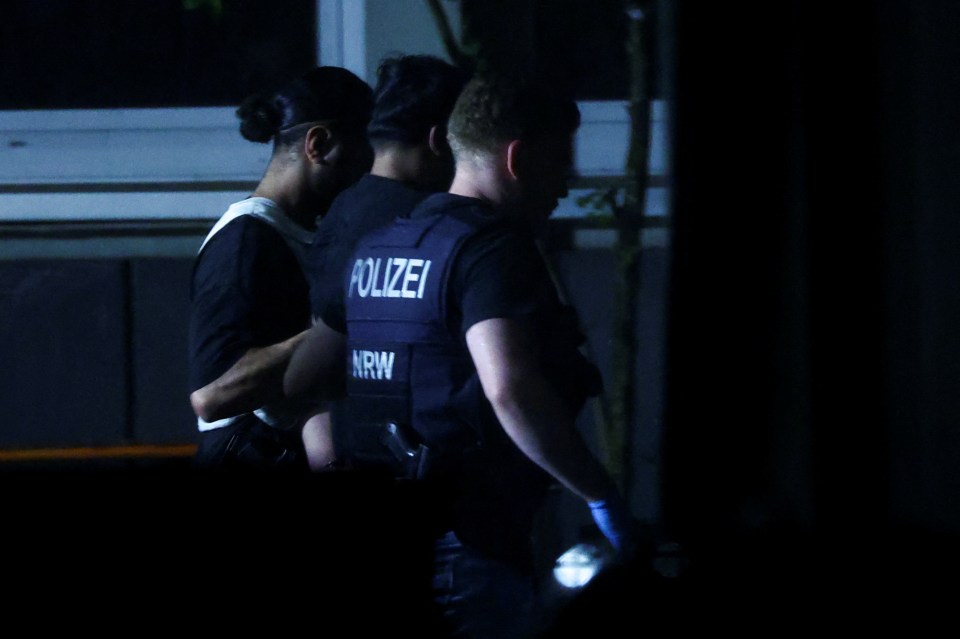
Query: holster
{"points": [[411, 455]]}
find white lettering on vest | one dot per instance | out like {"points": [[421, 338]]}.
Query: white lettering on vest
{"points": [[400, 277], [376, 292], [392, 290], [373, 364]]}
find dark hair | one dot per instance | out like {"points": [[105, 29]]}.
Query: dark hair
{"points": [[329, 94], [493, 109], [413, 93]]}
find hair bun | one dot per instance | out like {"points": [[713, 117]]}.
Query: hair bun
{"points": [[259, 118]]}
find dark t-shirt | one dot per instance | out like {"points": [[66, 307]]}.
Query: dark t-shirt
{"points": [[248, 290], [499, 272], [372, 202]]}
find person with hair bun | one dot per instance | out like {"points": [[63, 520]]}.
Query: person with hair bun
{"points": [[249, 295]]}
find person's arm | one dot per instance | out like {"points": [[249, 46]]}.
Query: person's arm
{"points": [[538, 422], [254, 380], [316, 372], [316, 369], [529, 409], [317, 436]]}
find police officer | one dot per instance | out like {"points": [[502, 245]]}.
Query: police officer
{"points": [[249, 296], [463, 366]]}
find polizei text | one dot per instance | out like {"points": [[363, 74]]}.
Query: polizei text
{"points": [[399, 277]]}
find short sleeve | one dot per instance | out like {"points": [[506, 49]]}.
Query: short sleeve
{"points": [[496, 276], [248, 290]]}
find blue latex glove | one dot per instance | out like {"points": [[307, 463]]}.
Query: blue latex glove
{"points": [[614, 521]]}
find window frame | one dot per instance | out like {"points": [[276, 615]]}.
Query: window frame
{"points": [[191, 163]]}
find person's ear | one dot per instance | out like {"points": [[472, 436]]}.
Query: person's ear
{"points": [[437, 139], [516, 152], [320, 144]]}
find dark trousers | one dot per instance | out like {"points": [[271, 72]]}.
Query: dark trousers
{"points": [[481, 596]]}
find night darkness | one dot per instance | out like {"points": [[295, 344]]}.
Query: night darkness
{"points": [[812, 425]]}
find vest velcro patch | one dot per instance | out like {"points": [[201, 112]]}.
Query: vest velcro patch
{"points": [[380, 368]]}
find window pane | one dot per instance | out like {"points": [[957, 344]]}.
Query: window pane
{"points": [[585, 42], [580, 43], [101, 54]]}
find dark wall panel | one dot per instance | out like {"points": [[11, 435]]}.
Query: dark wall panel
{"points": [[63, 356], [160, 304], [581, 273]]}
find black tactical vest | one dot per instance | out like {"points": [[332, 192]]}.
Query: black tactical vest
{"points": [[408, 378], [415, 406]]}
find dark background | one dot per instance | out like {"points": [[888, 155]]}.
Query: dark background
{"points": [[812, 432], [111, 54]]}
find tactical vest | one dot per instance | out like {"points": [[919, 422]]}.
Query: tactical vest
{"points": [[410, 381]]}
